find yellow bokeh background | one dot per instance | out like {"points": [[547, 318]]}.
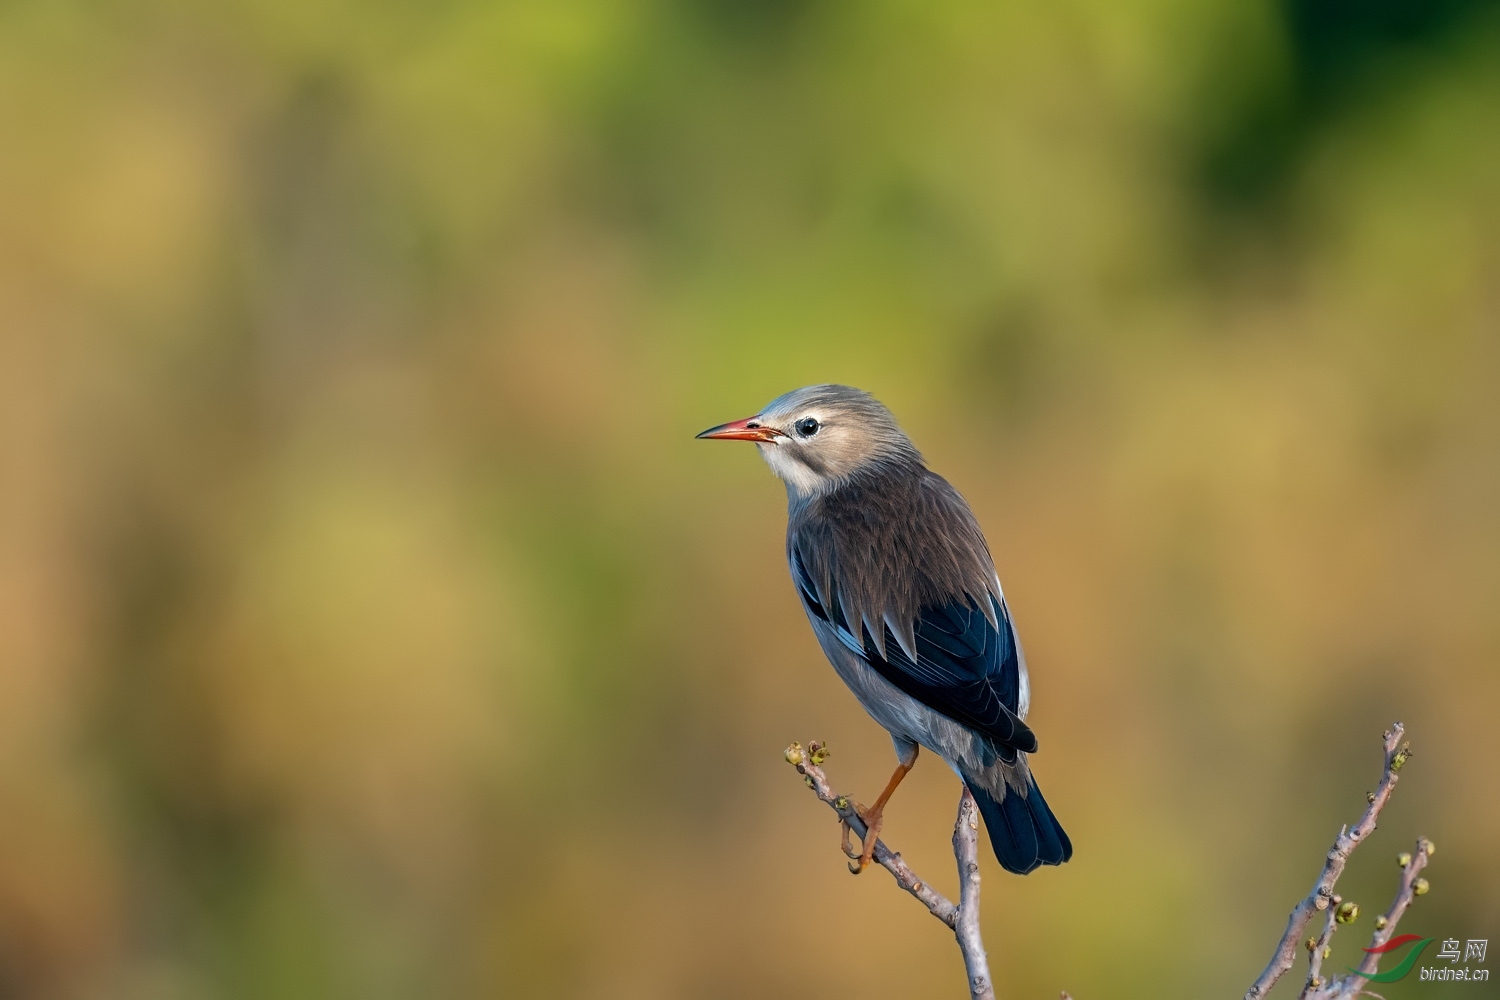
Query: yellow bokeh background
{"points": [[371, 626]]}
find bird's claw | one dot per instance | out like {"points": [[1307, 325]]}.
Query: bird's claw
{"points": [[860, 859], [844, 844]]}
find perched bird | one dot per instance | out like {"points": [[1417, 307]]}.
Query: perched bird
{"points": [[899, 586]]}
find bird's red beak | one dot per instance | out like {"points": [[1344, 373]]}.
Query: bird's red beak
{"points": [[749, 429]]}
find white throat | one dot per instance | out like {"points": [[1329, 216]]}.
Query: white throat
{"points": [[801, 481]]}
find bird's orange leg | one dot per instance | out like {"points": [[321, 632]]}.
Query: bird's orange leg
{"points": [[874, 817]]}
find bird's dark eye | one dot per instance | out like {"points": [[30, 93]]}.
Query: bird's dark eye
{"points": [[807, 427]]}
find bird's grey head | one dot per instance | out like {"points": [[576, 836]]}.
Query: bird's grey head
{"points": [[818, 437]]}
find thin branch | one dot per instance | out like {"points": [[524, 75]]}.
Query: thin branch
{"points": [[812, 775], [1319, 900], [966, 850], [1321, 947], [962, 919]]}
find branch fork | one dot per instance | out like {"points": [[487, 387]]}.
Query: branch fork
{"points": [[962, 918], [1336, 910]]}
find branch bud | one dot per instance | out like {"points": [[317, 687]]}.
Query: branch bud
{"points": [[1420, 887], [1347, 914], [1312, 945], [1403, 859], [1327, 951], [1429, 847], [818, 752], [1402, 756], [794, 754], [1380, 922]]}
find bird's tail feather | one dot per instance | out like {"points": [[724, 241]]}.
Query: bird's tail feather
{"points": [[1023, 831]]}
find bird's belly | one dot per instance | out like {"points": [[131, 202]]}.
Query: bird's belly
{"points": [[903, 716], [898, 712]]}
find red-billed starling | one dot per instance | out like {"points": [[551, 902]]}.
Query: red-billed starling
{"points": [[901, 591]]}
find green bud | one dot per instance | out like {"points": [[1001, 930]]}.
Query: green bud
{"points": [[1312, 945], [1429, 847], [1402, 756], [1403, 859], [1380, 922], [1327, 951], [794, 754], [818, 752], [1348, 913], [841, 803], [1420, 887]]}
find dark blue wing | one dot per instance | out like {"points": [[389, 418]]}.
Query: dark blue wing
{"points": [[965, 668]]}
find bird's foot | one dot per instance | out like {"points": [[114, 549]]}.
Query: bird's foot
{"points": [[860, 860], [846, 832]]}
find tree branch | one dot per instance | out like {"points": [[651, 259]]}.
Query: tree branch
{"points": [[1322, 897], [962, 919], [966, 850]]}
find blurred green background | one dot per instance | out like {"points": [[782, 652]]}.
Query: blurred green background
{"points": [[371, 626]]}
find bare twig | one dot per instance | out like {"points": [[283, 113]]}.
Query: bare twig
{"points": [[1411, 886], [962, 919], [937, 904], [966, 850], [1322, 896], [1320, 948]]}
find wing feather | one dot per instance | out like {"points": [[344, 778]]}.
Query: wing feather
{"points": [[954, 661]]}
